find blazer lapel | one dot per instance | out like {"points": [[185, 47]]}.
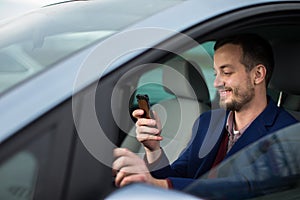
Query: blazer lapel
{"points": [[212, 140]]}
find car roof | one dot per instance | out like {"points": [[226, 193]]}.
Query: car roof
{"points": [[24, 103]]}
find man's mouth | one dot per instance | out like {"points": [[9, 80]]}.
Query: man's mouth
{"points": [[224, 93]]}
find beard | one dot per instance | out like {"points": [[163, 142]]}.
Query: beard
{"points": [[240, 97]]}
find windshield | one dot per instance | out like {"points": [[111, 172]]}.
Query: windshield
{"points": [[38, 40]]}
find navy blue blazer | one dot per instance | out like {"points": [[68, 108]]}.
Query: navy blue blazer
{"points": [[208, 129]]}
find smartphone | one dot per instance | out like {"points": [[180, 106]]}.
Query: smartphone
{"points": [[143, 103]]}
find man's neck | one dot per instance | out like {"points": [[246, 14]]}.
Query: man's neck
{"points": [[249, 112]]}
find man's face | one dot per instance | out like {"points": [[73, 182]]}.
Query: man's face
{"points": [[232, 81]]}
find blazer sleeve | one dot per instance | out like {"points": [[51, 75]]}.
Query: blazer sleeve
{"points": [[177, 173], [163, 169], [183, 170]]}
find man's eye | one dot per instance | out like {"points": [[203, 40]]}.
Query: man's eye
{"points": [[227, 73]]}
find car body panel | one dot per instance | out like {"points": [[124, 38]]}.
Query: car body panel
{"points": [[138, 191]]}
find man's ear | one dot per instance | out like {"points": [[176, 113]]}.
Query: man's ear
{"points": [[260, 72]]}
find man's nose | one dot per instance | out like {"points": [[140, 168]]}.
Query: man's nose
{"points": [[218, 82]]}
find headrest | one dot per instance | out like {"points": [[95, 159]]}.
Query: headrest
{"points": [[185, 79], [287, 67]]}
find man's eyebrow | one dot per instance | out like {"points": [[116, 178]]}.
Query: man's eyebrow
{"points": [[222, 67], [225, 66]]}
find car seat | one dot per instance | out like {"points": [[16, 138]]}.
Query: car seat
{"points": [[183, 79], [285, 83]]}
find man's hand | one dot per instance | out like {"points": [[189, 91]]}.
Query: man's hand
{"points": [[129, 168], [148, 131]]}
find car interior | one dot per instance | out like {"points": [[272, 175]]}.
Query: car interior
{"points": [[285, 81], [185, 108], [184, 80]]}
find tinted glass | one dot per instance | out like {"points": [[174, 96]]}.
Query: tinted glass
{"points": [[21, 171], [18, 176], [267, 169]]}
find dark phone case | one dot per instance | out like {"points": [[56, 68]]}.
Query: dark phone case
{"points": [[143, 102]]}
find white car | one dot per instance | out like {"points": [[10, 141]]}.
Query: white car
{"points": [[14, 8], [69, 74]]}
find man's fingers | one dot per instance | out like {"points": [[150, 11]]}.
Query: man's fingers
{"points": [[144, 133], [147, 137], [119, 177], [127, 164], [146, 122], [138, 113], [124, 178], [123, 157], [122, 152], [132, 179], [127, 161], [157, 119], [147, 130]]}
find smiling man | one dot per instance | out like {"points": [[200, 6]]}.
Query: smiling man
{"points": [[243, 67]]}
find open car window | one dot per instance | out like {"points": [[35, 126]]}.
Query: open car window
{"points": [[179, 87], [200, 56], [268, 169]]}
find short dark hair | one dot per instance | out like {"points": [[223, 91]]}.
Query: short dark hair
{"points": [[256, 50]]}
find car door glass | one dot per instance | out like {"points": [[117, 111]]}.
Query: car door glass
{"points": [[266, 169], [18, 176], [21, 170]]}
